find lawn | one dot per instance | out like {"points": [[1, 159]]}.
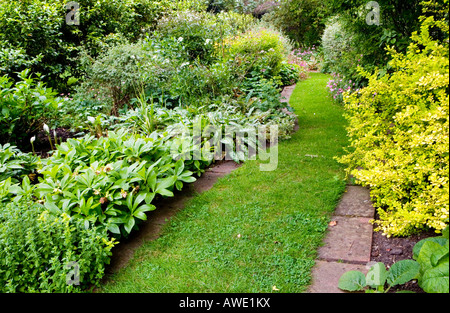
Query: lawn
{"points": [[253, 231]]}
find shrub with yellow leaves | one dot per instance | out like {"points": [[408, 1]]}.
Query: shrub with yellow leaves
{"points": [[399, 134]]}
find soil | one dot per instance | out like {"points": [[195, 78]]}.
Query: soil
{"points": [[393, 249], [42, 145]]}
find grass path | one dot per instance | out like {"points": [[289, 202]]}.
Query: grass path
{"points": [[253, 230]]}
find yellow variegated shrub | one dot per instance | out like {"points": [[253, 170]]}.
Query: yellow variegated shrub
{"points": [[399, 131]]}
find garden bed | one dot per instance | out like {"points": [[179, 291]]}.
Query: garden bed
{"points": [[394, 249]]}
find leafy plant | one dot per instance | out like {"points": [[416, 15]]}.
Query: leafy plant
{"points": [[399, 273], [37, 248], [432, 254], [24, 107], [16, 164], [430, 267]]}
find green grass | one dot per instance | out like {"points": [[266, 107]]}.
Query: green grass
{"points": [[253, 230]]}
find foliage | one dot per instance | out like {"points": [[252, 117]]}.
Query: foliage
{"points": [[37, 248], [25, 107], [399, 273], [397, 21], [301, 20], [430, 267], [110, 181], [38, 29], [339, 49], [432, 256], [13, 60], [399, 128], [200, 32], [258, 50], [15, 164]]}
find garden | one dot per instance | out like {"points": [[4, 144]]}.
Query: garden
{"points": [[109, 107]]}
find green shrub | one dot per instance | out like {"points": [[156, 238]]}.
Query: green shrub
{"points": [[339, 49], [258, 50], [399, 131], [37, 28], [301, 20], [200, 32], [348, 37], [25, 107], [37, 248], [117, 75]]}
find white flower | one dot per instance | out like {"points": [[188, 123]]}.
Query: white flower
{"points": [[207, 41], [91, 119], [32, 139], [46, 129], [180, 39]]}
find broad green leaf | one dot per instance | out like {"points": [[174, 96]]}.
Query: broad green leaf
{"points": [[140, 212], [51, 207], [139, 198], [436, 279], [149, 196], [187, 179], [440, 254], [402, 272], [151, 180], [418, 246], [118, 220], [352, 281], [376, 275], [179, 167], [179, 185], [129, 224], [113, 228], [15, 189], [428, 249]]}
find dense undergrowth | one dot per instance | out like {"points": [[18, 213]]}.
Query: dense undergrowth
{"points": [[126, 89]]}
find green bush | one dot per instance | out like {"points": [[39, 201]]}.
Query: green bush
{"points": [[258, 50], [339, 49], [301, 20], [399, 131], [348, 37], [117, 75], [38, 29], [37, 250], [25, 107], [201, 32]]}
